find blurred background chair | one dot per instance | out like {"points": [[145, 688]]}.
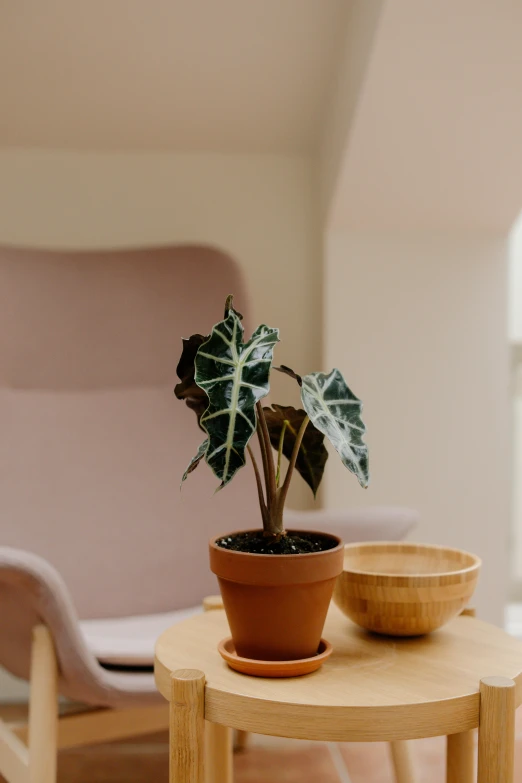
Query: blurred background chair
{"points": [[99, 550]]}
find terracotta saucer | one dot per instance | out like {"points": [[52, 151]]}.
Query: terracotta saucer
{"points": [[273, 668]]}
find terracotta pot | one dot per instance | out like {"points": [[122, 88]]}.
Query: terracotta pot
{"points": [[276, 605]]}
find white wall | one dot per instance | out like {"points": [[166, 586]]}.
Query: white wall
{"points": [[515, 283], [346, 90], [435, 138], [516, 549], [515, 336], [418, 324]]}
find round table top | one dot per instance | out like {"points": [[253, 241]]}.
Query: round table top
{"points": [[372, 688]]}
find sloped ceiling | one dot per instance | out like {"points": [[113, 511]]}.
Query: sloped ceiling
{"points": [[436, 136], [187, 75]]}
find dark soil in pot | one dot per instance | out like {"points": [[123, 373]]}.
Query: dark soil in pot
{"points": [[256, 542]]}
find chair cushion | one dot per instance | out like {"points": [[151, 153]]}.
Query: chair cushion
{"points": [[129, 641]]}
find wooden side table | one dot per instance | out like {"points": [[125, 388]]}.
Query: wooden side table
{"points": [[372, 689]]}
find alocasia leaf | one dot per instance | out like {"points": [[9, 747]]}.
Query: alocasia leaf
{"points": [[234, 375], [336, 411], [229, 305], [187, 389], [194, 462], [287, 371], [312, 455]]}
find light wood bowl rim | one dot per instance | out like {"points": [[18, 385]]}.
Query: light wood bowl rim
{"points": [[399, 547]]}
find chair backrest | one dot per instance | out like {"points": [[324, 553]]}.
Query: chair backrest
{"points": [[93, 443]]}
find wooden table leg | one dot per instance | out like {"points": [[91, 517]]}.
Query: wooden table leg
{"points": [[402, 761], [496, 755], [218, 753], [211, 603], [460, 758], [187, 726], [241, 740]]}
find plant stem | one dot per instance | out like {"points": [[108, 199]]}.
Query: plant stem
{"points": [[259, 483], [270, 469], [283, 491], [280, 452], [264, 458]]}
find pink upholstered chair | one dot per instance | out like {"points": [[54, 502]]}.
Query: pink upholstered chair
{"points": [[99, 550]]}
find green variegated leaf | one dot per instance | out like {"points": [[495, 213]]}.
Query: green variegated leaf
{"points": [[336, 411], [194, 462], [235, 375], [312, 454]]}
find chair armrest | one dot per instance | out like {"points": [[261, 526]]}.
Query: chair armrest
{"points": [[380, 523], [32, 592]]}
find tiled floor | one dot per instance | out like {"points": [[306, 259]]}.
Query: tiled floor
{"points": [[266, 760]]}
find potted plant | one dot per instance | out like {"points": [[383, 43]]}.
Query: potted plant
{"points": [[276, 584]]}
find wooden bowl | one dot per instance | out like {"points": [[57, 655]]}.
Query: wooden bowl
{"points": [[403, 589]]}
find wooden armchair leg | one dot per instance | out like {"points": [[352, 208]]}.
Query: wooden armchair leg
{"points": [[43, 708], [402, 761]]}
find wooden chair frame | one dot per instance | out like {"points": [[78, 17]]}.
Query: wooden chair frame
{"points": [[28, 751]]}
